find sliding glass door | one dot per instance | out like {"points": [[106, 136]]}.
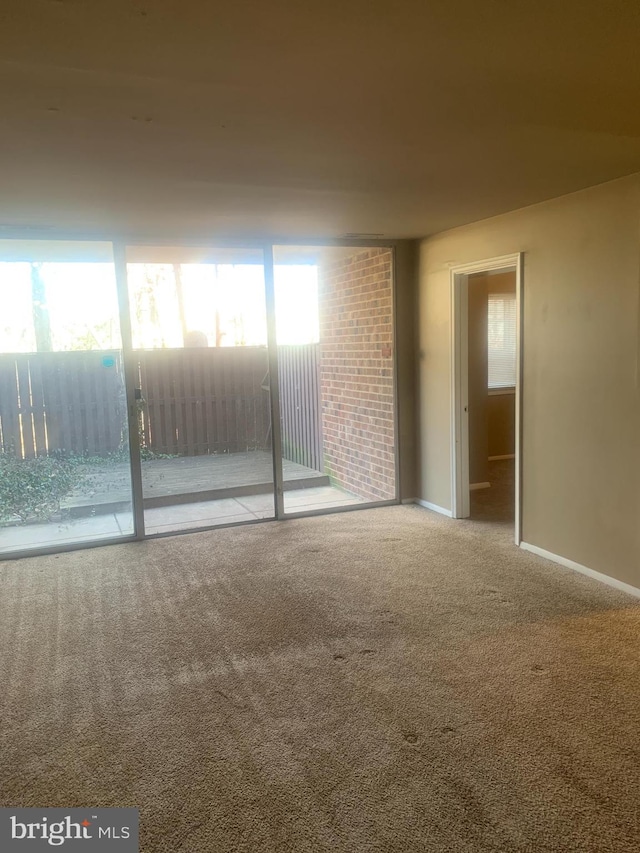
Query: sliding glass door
{"points": [[136, 394], [200, 358], [64, 451]]}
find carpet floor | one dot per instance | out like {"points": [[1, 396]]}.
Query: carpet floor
{"points": [[382, 680]]}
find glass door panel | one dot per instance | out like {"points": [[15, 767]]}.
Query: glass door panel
{"points": [[199, 334], [64, 452], [334, 327]]}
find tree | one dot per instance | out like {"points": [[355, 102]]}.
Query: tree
{"points": [[177, 275], [41, 321]]}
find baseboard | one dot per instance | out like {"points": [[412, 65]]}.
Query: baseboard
{"points": [[433, 507], [584, 570], [408, 501], [473, 487], [507, 456]]}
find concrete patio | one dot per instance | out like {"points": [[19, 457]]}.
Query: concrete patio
{"points": [[166, 519]]}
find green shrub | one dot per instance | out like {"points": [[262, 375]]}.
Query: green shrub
{"points": [[33, 488]]}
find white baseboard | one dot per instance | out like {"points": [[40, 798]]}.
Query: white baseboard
{"points": [[473, 487], [408, 501], [434, 507], [584, 570], [496, 458]]}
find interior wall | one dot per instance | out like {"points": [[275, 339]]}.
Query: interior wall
{"points": [[501, 425], [406, 344], [478, 377], [581, 396]]}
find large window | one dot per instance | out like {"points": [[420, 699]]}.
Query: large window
{"points": [[502, 340], [211, 341]]}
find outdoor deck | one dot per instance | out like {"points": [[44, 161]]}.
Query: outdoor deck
{"points": [[186, 479]]}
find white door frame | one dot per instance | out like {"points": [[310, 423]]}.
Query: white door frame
{"points": [[460, 503]]}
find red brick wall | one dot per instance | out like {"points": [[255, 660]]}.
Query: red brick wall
{"points": [[356, 372]]}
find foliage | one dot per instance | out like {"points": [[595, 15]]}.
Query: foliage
{"points": [[33, 488], [119, 457], [146, 453]]}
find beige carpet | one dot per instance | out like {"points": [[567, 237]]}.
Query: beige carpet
{"points": [[382, 680]]}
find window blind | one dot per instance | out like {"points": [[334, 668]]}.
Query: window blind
{"points": [[502, 340]]}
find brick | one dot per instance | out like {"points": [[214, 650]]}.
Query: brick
{"points": [[356, 380]]}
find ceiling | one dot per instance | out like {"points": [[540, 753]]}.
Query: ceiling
{"points": [[193, 119]]}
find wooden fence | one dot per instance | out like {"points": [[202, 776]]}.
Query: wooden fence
{"points": [[300, 406], [200, 401], [71, 402], [195, 401]]}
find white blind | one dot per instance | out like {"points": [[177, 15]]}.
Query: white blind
{"points": [[502, 340]]}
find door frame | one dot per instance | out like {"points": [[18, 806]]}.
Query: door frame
{"points": [[131, 381], [459, 282]]}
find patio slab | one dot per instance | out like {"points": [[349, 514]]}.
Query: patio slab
{"points": [[186, 479], [58, 533], [169, 519], [302, 500]]}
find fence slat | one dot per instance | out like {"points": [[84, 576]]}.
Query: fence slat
{"points": [[96, 392], [300, 405], [200, 404], [9, 418], [24, 412], [38, 406]]}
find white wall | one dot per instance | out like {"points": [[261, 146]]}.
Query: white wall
{"points": [[581, 396]]}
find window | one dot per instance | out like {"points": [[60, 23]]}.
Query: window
{"points": [[502, 340], [223, 304]]}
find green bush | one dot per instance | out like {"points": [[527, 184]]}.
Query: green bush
{"points": [[33, 488]]}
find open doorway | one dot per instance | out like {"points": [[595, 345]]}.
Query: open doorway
{"points": [[487, 386], [492, 388]]}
